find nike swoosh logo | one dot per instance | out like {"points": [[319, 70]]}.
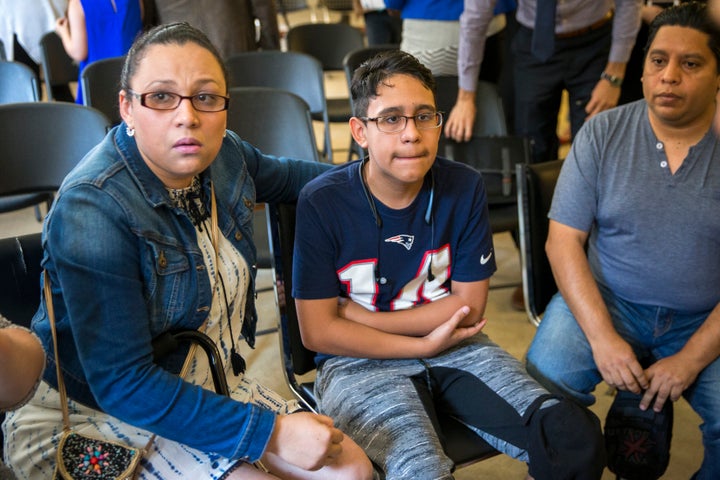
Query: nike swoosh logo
{"points": [[484, 259]]}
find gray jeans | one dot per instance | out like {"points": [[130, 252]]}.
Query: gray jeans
{"points": [[376, 402]]}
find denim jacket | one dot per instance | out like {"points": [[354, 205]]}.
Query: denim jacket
{"points": [[125, 267]]}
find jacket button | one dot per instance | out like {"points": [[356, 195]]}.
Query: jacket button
{"points": [[248, 203], [238, 235], [162, 261]]}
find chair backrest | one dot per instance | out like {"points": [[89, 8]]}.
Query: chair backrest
{"points": [[535, 188], [18, 83], [490, 118], [327, 42], [101, 84], [276, 121], [58, 68], [20, 277], [295, 72], [3, 57], [495, 158], [41, 142]]}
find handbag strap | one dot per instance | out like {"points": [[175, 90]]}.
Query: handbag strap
{"points": [[60, 382]]}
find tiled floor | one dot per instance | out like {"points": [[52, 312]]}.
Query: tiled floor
{"points": [[507, 327]]}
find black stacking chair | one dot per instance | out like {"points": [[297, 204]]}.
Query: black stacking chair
{"points": [[101, 84], [20, 277], [58, 68], [295, 72], [329, 43], [40, 142], [495, 158], [490, 150], [18, 83], [278, 123], [535, 188]]}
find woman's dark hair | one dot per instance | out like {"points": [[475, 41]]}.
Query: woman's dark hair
{"points": [[692, 15], [167, 34], [373, 72]]}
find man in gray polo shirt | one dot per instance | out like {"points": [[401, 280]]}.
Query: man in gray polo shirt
{"points": [[634, 239]]}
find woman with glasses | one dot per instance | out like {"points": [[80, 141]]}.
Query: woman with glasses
{"points": [[152, 233]]}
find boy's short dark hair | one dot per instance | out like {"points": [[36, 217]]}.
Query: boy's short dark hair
{"points": [[376, 70], [692, 15]]}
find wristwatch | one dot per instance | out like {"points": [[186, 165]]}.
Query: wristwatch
{"points": [[614, 81]]}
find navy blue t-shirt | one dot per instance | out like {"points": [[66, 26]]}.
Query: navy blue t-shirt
{"points": [[341, 251]]}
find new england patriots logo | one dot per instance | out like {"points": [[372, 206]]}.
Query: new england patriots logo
{"points": [[404, 240]]}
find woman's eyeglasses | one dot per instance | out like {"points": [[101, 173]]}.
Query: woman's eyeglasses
{"points": [[202, 102]]}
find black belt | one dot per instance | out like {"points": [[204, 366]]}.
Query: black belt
{"points": [[582, 31]]}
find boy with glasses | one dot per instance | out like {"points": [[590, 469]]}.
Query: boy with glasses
{"points": [[393, 257]]}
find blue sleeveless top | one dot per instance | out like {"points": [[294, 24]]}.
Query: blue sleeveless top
{"points": [[110, 33]]}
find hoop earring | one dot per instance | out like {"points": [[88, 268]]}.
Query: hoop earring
{"points": [[130, 131]]}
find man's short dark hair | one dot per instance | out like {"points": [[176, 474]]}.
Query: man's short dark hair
{"points": [[691, 15], [373, 72]]}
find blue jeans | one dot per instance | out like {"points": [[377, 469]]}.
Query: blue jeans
{"points": [[561, 359]]}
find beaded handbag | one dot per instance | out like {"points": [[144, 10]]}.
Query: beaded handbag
{"points": [[80, 457]]}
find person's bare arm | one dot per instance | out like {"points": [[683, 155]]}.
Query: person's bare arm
{"points": [[474, 24], [323, 330], [605, 95], [672, 375], [73, 32], [421, 320], [626, 23], [21, 362], [460, 121], [613, 356]]}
